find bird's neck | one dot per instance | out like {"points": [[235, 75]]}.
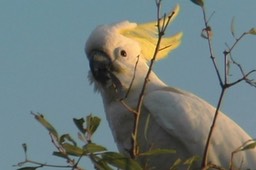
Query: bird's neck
{"points": [[133, 89]]}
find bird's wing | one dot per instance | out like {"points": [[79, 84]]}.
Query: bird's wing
{"points": [[188, 118], [179, 113]]}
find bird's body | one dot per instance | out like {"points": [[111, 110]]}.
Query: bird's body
{"points": [[170, 118]]}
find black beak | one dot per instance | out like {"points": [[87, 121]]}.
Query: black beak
{"points": [[103, 70], [100, 65]]}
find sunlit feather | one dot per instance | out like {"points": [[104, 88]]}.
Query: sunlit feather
{"points": [[147, 36]]}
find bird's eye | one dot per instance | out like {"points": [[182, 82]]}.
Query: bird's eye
{"points": [[123, 53]]}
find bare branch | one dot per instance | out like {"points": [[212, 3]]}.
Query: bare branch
{"points": [[162, 23], [40, 164], [244, 75], [133, 77], [224, 84], [244, 78], [128, 107], [211, 49], [216, 114], [205, 154]]}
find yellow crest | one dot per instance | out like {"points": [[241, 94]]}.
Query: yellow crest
{"points": [[146, 35]]}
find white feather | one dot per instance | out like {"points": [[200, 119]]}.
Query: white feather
{"points": [[174, 119], [188, 118]]}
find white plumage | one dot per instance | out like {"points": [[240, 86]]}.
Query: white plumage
{"points": [[175, 119]]}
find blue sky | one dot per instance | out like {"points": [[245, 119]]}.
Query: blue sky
{"points": [[43, 67]]}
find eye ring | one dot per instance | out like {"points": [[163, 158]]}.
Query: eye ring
{"points": [[123, 53]]}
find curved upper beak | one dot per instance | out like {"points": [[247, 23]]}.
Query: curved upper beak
{"points": [[100, 65]]}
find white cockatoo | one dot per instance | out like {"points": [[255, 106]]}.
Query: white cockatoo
{"points": [[170, 118]]}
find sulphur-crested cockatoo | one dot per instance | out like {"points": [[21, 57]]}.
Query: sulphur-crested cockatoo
{"points": [[170, 118]]}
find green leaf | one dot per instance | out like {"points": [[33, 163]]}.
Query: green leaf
{"points": [[99, 163], [198, 2], [67, 137], [146, 127], [249, 146], [176, 164], [92, 148], [79, 124], [232, 27], [40, 118], [92, 123], [191, 161], [73, 150], [119, 161], [158, 152], [252, 31], [60, 154]]}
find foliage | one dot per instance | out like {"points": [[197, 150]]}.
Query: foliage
{"points": [[102, 159], [198, 2]]}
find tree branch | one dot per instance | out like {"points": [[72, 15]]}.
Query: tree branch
{"points": [[224, 84], [161, 31]]}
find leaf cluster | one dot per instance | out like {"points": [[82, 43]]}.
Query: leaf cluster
{"points": [[68, 149], [101, 158]]}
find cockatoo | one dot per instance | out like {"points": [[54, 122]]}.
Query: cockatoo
{"points": [[170, 118]]}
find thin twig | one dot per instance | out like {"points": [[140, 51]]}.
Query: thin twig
{"points": [[129, 89], [224, 84], [210, 17], [204, 160], [128, 107], [77, 162], [161, 30], [73, 164], [239, 149], [211, 49], [205, 154], [58, 146], [133, 77], [236, 42], [245, 76], [42, 164]]}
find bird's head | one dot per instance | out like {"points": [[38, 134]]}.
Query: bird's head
{"points": [[118, 53]]}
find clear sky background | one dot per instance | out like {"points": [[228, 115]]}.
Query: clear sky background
{"points": [[43, 67]]}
